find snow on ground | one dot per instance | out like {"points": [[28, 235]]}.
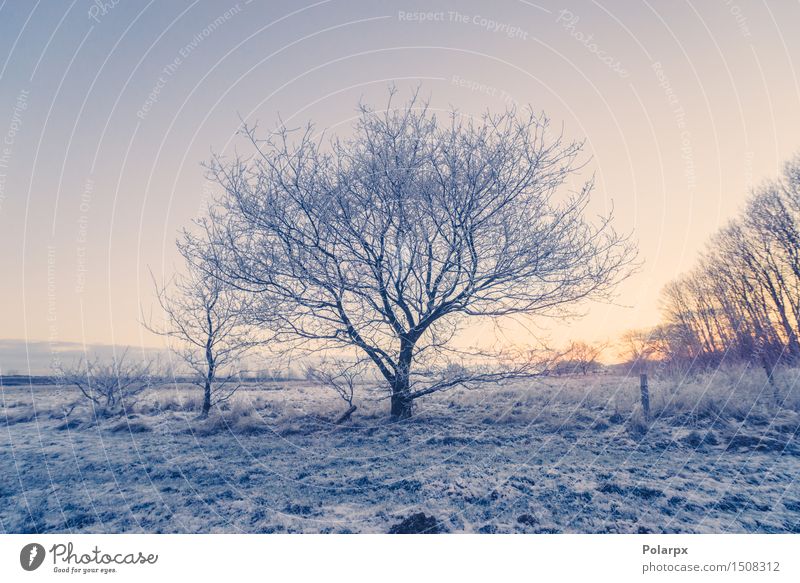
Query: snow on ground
{"points": [[559, 455]]}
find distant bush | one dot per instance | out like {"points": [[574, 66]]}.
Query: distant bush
{"points": [[112, 386]]}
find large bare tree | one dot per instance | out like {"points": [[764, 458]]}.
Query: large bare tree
{"points": [[387, 240]]}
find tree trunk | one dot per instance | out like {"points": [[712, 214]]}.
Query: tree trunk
{"points": [[401, 388], [211, 365], [346, 415], [401, 406], [769, 368], [206, 398]]}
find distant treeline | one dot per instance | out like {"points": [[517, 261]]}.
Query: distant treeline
{"points": [[17, 380], [22, 380], [742, 300]]}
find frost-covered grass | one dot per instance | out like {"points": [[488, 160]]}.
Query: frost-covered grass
{"points": [[556, 455]]}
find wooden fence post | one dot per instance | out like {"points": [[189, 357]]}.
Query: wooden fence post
{"points": [[645, 396]]}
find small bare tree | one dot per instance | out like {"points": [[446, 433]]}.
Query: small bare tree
{"points": [[342, 377], [387, 241], [204, 317], [584, 356], [111, 386], [638, 348]]}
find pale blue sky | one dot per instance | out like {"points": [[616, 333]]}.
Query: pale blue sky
{"points": [[105, 115]]}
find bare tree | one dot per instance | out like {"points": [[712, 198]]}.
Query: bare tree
{"points": [[584, 356], [388, 240], [111, 386], [342, 377], [205, 318], [638, 348]]}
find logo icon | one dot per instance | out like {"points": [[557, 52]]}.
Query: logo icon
{"points": [[31, 556]]}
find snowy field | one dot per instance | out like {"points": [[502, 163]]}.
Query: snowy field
{"points": [[557, 455]]}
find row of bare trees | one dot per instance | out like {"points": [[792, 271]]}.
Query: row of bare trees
{"points": [[742, 301]]}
